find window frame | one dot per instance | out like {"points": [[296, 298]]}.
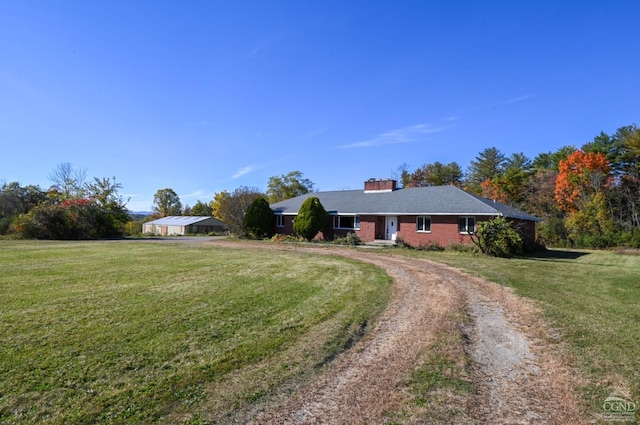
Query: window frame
{"points": [[337, 222], [423, 228], [466, 219], [279, 220]]}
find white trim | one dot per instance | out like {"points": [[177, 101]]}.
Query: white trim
{"points": [[356, 222], [423, 217], [467, 217]]}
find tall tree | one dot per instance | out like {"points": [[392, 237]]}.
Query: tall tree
{"points": [[201, 209], [166, 202], [217, 203], [434, 174], [488, 164], [403, 175], [105, 193], [510, 185], [288, 186], [581, 176], [626, 168]]}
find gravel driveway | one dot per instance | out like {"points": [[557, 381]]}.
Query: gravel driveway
{"points": [[517, 364]]}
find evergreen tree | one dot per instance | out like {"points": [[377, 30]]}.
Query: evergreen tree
{"points": [[311, 218], [259, 221], [487, 165]]}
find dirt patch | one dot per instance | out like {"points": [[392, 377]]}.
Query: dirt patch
{"points": [[517, 368]]}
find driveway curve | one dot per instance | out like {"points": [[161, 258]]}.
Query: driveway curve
{"points": [[517, 366]]}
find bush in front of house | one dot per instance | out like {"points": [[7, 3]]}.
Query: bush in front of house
{"points": [[498, 238], [350, 239], [259, 221], [311, 218]]}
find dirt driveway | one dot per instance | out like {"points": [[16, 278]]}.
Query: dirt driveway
{"points": [[516, 365]]}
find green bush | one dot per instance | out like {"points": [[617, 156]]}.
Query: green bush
{"points": [[498, 238], [351, 239], [462, 247], [73, 219], [259, 221], [311, 219], [431, 246]]}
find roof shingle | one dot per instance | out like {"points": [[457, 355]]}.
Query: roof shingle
{"points": [[433, 200]]}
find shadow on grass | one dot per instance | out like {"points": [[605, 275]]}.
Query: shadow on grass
{"points": [[556, 255]]}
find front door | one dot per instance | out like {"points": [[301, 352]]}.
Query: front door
{"points": [[392, 228]]}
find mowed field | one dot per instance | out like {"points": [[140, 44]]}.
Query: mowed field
{"points": [[142, 332], [591, 299]]}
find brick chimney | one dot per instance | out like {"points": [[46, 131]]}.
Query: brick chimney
{"points": [[379, 185]]}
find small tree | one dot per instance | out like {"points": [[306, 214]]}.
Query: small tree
{"points": [[311, 218], [498, 238], [259, 221]]}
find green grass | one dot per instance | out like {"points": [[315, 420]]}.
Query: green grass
{"points": [[126, 332], [592, 298]]}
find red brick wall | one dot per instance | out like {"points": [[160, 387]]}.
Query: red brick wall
{"points": [[528, 229], [380, 184], [444, 230]]}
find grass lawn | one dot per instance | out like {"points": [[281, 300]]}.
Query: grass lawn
{"points": [[591, 297], [127, 331]]}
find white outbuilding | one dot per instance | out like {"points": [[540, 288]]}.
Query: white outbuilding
{"points": [[183, 225]]}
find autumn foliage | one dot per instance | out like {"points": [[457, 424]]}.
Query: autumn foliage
{"points": [[581, 176]]}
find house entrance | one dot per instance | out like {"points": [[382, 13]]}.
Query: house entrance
{"points": [[391, 228]]}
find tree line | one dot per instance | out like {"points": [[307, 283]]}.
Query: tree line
{"points": [[72, 208], [586, 196]]}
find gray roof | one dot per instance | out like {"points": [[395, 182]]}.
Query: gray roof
{"points": [[433, 200], [185, 220]]}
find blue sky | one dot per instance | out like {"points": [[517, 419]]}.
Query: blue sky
{"points": [[202, 96]]}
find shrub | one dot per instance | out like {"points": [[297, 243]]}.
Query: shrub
{"points": [[259, 221], [280, 237], [431, 246], [73, 219], [351, 239], [311, 219], [462, 247], [498, 238]]}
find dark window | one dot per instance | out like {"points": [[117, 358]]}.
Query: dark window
{"points": [[423, 224], [467, 224], [346, 222]]}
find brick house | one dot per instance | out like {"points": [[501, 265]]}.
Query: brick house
{"points": [[417, 216]]}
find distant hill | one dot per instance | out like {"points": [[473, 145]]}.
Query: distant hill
{"points": [[139, 215]]}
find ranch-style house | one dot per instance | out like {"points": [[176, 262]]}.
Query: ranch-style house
{"points": [[418, 216]]}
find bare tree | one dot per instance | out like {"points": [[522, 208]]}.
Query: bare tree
{"points": [[69, 180]]}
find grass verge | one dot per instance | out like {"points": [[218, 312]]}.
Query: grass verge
{"points": [[143, 332], [592, 298]]}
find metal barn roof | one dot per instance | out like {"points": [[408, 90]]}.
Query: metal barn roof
{"points": [[185, 220]]}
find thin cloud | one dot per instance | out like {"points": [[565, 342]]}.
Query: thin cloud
{"points": [[413, 133], [196, 194], [519, 99], [245, 170]]}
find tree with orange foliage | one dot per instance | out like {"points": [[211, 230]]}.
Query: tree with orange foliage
{"points": [[580, 177]]}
